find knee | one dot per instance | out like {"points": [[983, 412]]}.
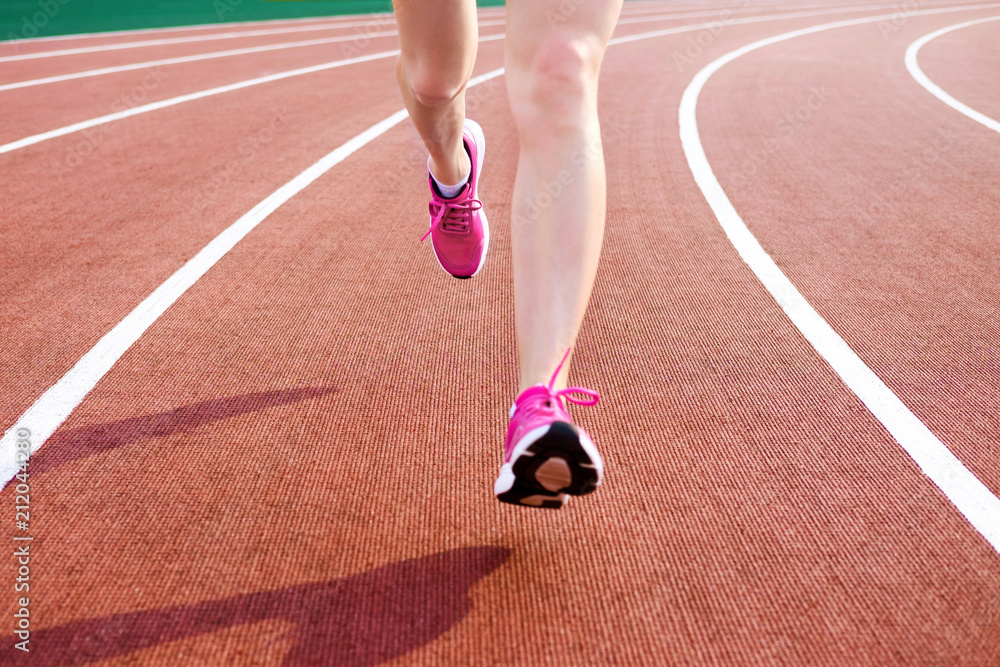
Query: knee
{"points": [[429, 86], [554, 83]]}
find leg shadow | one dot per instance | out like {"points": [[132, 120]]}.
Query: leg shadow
{"points": [[68, 446], [357, 621]]}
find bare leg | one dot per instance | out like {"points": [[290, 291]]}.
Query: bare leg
{"points": [[438, 40], [554, 50]]}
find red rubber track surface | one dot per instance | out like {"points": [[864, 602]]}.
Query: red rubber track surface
{"points": [[36, 111], [294, 464], [894, 255], [953, 59]]}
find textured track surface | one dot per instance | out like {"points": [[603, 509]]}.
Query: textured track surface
{"points": [[294, 464]]}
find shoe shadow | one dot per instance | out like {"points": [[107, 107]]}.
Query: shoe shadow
{"points": [[68, 446], [357, 621]]}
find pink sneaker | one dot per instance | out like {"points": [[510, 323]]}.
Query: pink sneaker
{"points": [[547, 458], [459, 231]]}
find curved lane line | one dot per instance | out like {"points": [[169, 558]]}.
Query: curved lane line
{"points": [[162, 104], [118, 46], [959, 485], [206, 38], [316, 42], [190, 59], [913, 67], [722, 20], [389, 19], [52, 408], [484, 12], [182, 28], [153, 106], [49, 411], [372, 16]]}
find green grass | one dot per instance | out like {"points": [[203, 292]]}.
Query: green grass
{"points": [[41, 18]]}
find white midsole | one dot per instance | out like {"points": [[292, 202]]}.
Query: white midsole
{"points": [[506, 478]]}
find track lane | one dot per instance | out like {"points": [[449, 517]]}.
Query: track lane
{"points": [[127, 201], [673, 571], [926, 331], [47, 270], [336, 44], [700, 29], [963, 63], [26, 71], [36, 45], [713, 541], [221, 36], [32, 121], [26, 45], [366, 26], [28, 74], [17, 353]]}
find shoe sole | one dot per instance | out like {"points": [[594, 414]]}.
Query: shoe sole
{"points": [[549, 465], [480, 139]]}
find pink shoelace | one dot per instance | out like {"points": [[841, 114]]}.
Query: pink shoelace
{"points": [[453, 216], [592, 397]]}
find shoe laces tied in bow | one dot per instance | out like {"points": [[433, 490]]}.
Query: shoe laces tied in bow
{"points": [[452, 216], [592, 397]]}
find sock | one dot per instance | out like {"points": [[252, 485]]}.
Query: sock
{"points": [[448, 191]]}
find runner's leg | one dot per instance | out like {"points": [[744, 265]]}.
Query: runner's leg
{"points": [[438, 40], [554, 50]]}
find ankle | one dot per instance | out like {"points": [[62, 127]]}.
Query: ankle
{"points": [[447, 187], [454, 170]]}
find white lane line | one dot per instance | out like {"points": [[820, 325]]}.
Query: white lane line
{"points": [[257, 49], [346, 38], [118, 46], [162, 104], [732, 19], [715, 26], [190, 59], [725, 14], [183, 28], [55, 405], [962, 488], [153, 106], [386, 21], [376, 17], [244, 51], [51, 409], [913, 67]]}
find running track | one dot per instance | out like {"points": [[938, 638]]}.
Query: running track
{"points": [[293, 464]]}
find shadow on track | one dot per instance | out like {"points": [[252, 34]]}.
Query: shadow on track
{"points": [[364, 619], [67, 446]]}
